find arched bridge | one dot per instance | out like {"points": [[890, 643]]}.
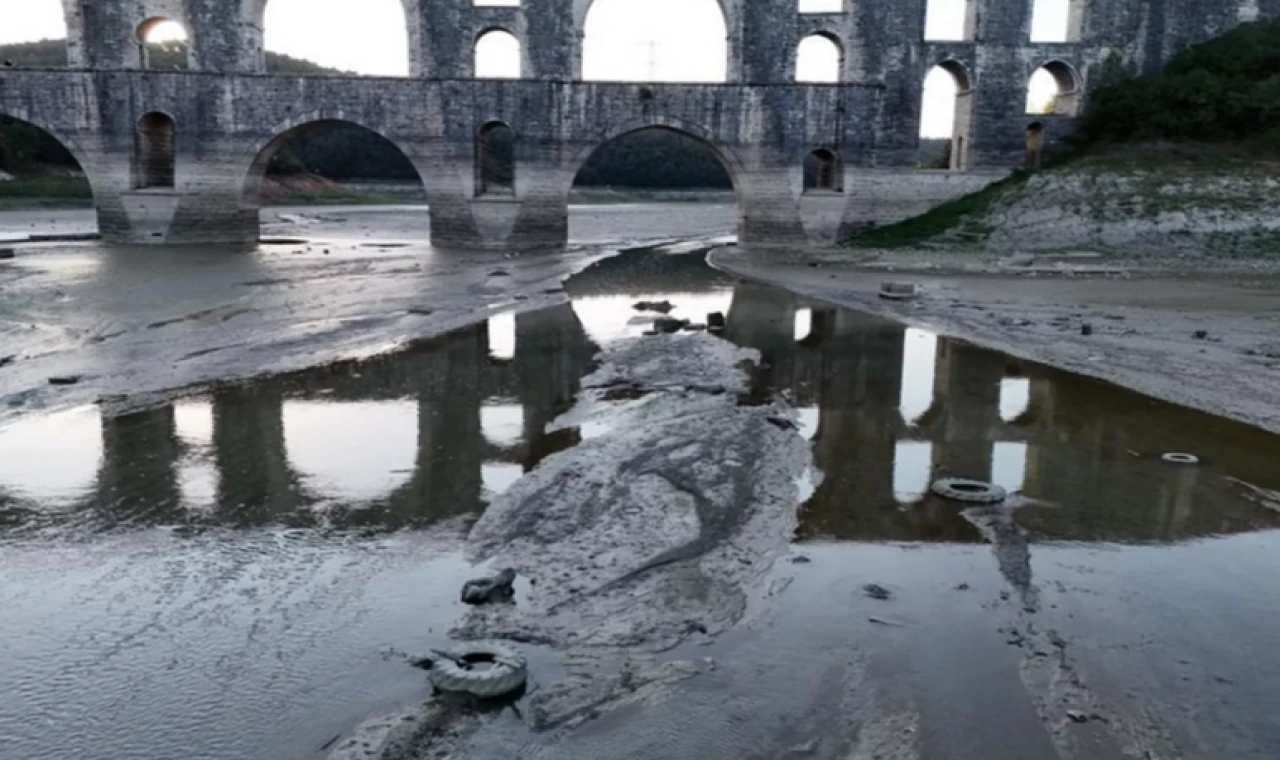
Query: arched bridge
{"points": [[176, 156]]}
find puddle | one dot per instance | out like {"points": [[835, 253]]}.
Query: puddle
{"points": [[221, 577]]}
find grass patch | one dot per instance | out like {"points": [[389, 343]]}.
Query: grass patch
{"points": [[39, 192], [962, 214]]}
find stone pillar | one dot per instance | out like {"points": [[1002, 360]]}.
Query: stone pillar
{"points": [[763, 36], [552, 355], [138, 481], [255, 483]]}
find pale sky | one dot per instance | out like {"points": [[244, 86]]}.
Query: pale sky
{"points": [[627, 40]]}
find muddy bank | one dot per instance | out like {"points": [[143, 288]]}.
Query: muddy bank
{"points": [[1208, 343]]}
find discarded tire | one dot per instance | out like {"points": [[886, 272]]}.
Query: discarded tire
{"points": [[483, 670], [1176, 458], [969, 491]]}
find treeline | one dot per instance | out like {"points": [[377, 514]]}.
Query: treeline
{"points": [[1223, 90], [654, 158]]}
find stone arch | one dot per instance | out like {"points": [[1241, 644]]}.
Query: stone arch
{"points": [[78, 153], [823, 171], [501, 42], [730, 10], [263, 151], [175, 52], [819, 58], [255, 20], [1068, 85], [963, 107], [495, 159], [155, 152], [732, 163]]}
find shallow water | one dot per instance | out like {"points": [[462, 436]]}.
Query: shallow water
{"points": [[231, 575]]}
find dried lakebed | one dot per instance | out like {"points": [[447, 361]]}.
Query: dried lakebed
{"points": [[236, 574]]}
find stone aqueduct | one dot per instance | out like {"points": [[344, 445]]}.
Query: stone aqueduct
{"points": [[224, 115]]}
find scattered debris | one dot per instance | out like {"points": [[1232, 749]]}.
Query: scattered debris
{"points": [[1180, 458], [661, 307], [899, 291], [504, 671], [7, 253], [1086, 329], [7, 360], [499, 273], [421, 312], [64, 380], [716, 322], [969, 491], [962, 587], [669, 324], [1077, 717], [800, 559], [490, 590], [876, 591], [1200, 335]]}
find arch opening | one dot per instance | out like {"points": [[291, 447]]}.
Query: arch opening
{"points": [[163, 45], [497, 55], [1057, 20], [37, 169], [1054, 89], [655, 41], [660, 164], [330, 160], [36, 38], [946, 118], [495, 160], [819, 59], [823, 172], [951, 20], [369, 38], [155, 152]]}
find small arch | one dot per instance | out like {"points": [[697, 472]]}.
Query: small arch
{"points": [[1035, 145], [497, 55], [155, 148], [163, 44], [819, 59], [947, 114], [1054, 89], [823, 172], [722, 170], [496, 160]]}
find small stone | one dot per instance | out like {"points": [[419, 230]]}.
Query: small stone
{"points": [[1077, 717], [660, 307], [1086, 329], [1201, 335], [716, 321], [669, 324], [422, 312], [876, 591], [962, 587], [499, 273], [64, 380], [490, 590], [7, 360], [7, 253], [800, 559]]}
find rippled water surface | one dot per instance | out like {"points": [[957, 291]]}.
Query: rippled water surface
{"points": [[231, 575]]}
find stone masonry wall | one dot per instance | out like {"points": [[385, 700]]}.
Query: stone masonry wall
{"points": [[229, 115]]}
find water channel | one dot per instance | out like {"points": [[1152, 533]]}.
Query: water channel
{"points": [[231, 575]]}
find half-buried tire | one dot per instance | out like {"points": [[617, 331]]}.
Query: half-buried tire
{"points": [[969, 491], [483, 670]]}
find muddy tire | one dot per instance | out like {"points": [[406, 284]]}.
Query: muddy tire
{"points": [[969, 491], [497, 670]]}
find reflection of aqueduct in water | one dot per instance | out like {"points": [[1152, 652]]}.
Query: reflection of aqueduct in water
{"points": [[177, 156], [1070, 443]]}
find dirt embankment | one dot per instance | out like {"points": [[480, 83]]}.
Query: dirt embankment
{"points": [[1144, 207]]}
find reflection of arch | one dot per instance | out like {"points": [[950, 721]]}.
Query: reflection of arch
{"points": [[266, 150], [962, 123], [155, 152], [1066, 98], [1035, 145], [495, 160], [819, 58], [729, 14], [823, 171], [498, 55]]}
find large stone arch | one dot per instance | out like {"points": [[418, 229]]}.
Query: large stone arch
{"points": [[254, 20], [730, 9], [265, 148], [732, 163], [70, 144]]}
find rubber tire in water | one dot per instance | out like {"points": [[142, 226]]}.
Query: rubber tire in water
{"points": [[506, 674], [969, 491], [1176, 458]]}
